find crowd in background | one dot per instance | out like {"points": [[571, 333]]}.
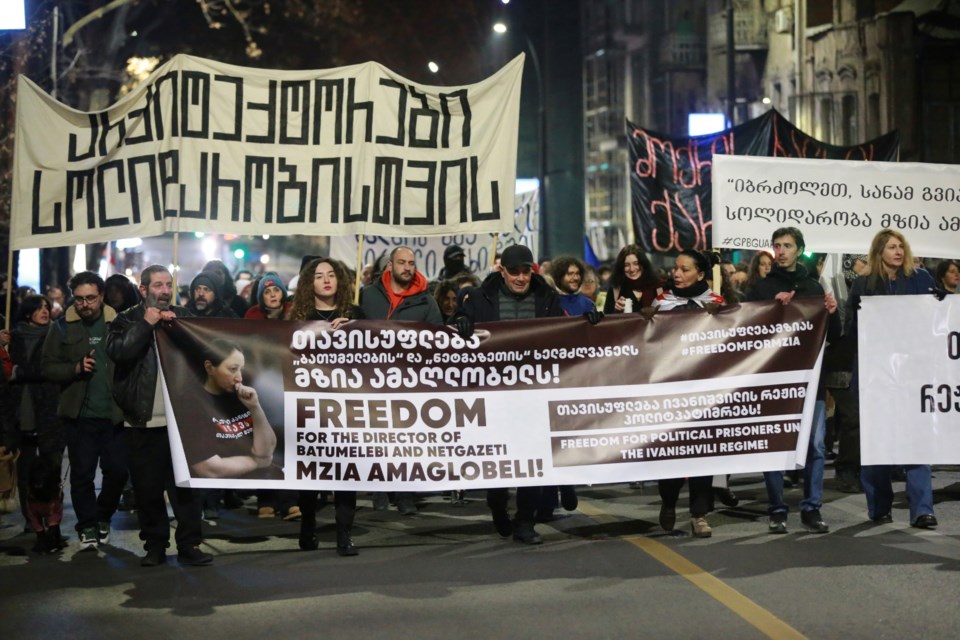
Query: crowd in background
{"points": [[36, 428]]}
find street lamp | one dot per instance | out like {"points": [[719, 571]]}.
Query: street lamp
{"points": [[500, 28]]}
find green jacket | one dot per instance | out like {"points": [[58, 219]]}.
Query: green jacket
{"points": [[66, 344]]}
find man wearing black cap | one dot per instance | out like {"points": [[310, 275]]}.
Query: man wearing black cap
{"points": [[513, 293], [453, 262]]}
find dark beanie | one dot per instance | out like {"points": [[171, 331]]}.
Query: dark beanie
{"points": [[210, 279]]}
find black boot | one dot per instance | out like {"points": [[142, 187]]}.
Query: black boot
{"points": [[345, 545], [307, 501]]}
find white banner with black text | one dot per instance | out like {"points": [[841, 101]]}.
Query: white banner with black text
{"points": [[838, 204], [909, 368], [203, 146]]}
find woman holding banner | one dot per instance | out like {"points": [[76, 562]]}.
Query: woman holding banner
{"points": [[323, 293], [633, 282], [240, 443], [890, 271], [689, 290]]}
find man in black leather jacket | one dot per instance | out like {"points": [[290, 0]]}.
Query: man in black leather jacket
{"points": [[132, 348]]}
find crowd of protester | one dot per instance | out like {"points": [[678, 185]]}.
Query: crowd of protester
{"points": [[79, 378]]}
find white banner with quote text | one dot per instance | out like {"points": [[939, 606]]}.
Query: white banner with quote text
{"points": [[838, 204]]}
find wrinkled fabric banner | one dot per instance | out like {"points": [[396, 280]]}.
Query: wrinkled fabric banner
{"points": [[670, 178], [406, 406], [909, 380], [211, 147]]}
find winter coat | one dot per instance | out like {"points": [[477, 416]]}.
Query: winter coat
{"points": [[419, 306], [482, 304], [66, 344], [131, 346]]}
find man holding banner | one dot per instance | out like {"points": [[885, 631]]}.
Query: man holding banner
{"points": [[137, 389], [513, 293], [400, 294], [787, 279]]}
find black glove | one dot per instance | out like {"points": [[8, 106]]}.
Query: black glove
{"points": [[593, 316], [648, 312], [940, 293], [464, 327]]}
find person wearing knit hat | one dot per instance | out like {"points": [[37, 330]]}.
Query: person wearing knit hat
{"points": [[273, 303], [272, 299]]}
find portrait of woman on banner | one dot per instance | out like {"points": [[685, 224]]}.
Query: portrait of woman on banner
{"points": [[223, 427]]}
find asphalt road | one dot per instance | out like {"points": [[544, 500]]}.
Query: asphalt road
{"points": [[604, 571]]}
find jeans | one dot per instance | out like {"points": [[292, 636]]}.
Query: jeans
{"points": [[813, 473], [878, 486], [91, 441]]}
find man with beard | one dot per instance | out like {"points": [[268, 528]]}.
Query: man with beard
{"points": [[513, 293], [567, 272], [400, 294], [74, 356], [205, 297], [137, 391]]}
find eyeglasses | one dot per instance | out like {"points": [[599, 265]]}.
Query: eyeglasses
{"points": [[86, 300], [516, 271]]}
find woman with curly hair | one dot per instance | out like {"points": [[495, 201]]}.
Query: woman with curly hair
{"points": [[323, 293]]}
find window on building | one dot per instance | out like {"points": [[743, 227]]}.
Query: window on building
{"points": [[825, 121], [873, 116], [848, 120], [819, 12]]}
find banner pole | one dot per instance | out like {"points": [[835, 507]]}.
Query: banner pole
{"points": [[9, 301], [176, 249], [356, 285], [493, 251]]}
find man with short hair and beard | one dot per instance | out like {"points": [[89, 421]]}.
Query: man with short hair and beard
{"points": [[205, 297], [137, 391], [74, 356], [400, 294]]}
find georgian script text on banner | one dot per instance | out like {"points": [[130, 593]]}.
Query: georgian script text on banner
{"points": [[670, 178], [379, 405], [429, 250], [840, 205], [206, 146], [909, 359]]}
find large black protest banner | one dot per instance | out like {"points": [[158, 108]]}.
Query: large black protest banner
{"points": [[670, 178], [206, 146], [377, 405]]}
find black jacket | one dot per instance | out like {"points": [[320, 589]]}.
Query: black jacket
{"points": [[131, 346], [482, 304], [421, 307]]}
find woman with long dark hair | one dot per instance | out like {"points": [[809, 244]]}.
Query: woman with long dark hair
{"points": [[323, 293], [633, 282], [240, 443], [948, 275], [688, 290]]}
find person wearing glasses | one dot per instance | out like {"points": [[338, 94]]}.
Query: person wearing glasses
{"points": [[74, 356], [514, 292]]}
